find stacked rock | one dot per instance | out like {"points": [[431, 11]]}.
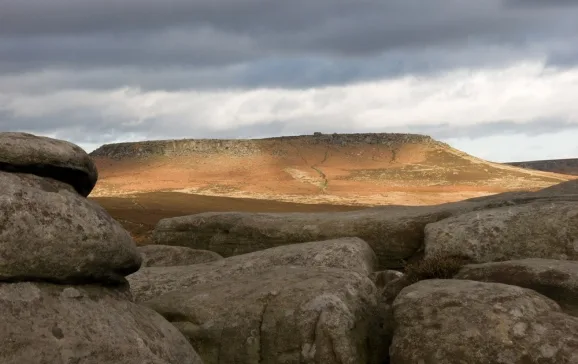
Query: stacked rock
{"points": [[63, 259]]}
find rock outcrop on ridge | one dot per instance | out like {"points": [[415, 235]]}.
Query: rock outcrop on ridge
{"points": [[63, 295]]}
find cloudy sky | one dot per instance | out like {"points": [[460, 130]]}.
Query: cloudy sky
{"points": [[496, 78]]}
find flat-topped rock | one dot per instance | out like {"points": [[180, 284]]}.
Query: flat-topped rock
{"points": [[539, 229], [283, 315], [47, 157], [50, 233], [352, 254], [459, 321], [45, 323], [556, 279], [168, 256], [394, 232]]}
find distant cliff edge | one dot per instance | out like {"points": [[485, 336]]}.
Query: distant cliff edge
{"points": [[240, 147]]}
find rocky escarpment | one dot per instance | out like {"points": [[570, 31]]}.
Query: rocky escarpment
{"points": [[243, 147], [63, 259]]}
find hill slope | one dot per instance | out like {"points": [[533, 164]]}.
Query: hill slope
{"points": [[564, 166], [336, 168]]}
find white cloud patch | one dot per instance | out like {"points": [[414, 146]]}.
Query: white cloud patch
{"points": [[521, 147], [518, 95]]}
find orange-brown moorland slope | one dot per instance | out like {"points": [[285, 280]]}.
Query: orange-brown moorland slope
{"points": [[354, 169]]}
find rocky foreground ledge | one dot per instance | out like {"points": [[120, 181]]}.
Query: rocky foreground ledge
{"points": [[487, 280]]}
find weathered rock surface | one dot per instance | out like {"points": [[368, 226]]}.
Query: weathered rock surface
{"points": [[459, 321], [282, 315], [389, 284], [44, 323], [167, 256], [533, 230], [394, 232], [382, 278], [351, 254], [47, 157], [556, 279], [51, 233], [51, 236]]}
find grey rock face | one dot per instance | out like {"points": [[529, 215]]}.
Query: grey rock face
{"points": [[168, 256], [382, 278], [47, 157], [51, 237], [350, 253], [556, 279], [534, 230], [394, 233], [51, 233], [44, 323], [459, 321], [282, 315]]}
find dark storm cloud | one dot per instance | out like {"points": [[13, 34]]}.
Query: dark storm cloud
{"points": [[286, 72], [83, 34], [541, 3]]}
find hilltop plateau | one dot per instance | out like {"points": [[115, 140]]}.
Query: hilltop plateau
{"points": [[347, 169]]}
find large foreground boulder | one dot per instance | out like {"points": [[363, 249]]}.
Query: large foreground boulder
{"points": [[282, 315], [459, 321], [51, 233], [63, 262], [395, 232], [351, 254], [47, 157], [556, 279], [533, 230], [52, 324], [168, 256]]}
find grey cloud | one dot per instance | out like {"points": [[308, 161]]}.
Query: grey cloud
{"points": [[37, 34], [482, 130], [541, 3], [169, 48], [286, 72], [85, 126], [51, 45]]}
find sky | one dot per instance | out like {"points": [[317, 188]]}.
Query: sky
{"points": [[495, 78]]}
